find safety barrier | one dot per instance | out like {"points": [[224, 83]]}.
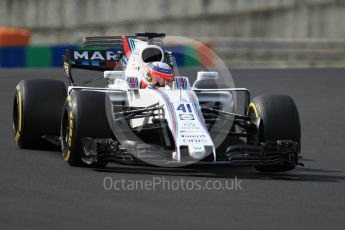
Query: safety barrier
{"points": [[32, 56], [235, 52]]}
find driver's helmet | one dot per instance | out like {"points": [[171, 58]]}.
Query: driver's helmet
{"points": [[157, 74]]}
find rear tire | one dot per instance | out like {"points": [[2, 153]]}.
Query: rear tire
{"points": [[84, 115], [37, 111], [279, 120]]}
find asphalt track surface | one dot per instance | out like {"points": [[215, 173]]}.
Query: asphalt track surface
{"points": [[40, 191]]}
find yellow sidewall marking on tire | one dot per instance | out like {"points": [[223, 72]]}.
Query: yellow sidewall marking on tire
{"points": [[17, 136], [67, 155], [252, 105], [70, 135], [69, 100], [19, 104]]}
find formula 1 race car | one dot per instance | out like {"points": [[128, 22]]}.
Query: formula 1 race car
{"points": [[133, 120]]}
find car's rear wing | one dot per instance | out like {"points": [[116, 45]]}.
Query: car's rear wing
{"points": [[117, 41], [98, 60], [106, 52]]}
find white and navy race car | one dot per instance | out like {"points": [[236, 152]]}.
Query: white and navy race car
{"points": [[130, 121]]}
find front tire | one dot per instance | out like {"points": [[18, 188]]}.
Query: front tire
{"points": [[84, 115], [279, 120]]}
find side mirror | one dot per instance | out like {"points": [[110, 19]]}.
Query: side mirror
{"points": [[112, 75], [204, 76]]}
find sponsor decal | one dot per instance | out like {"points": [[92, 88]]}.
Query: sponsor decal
{"points": [[187, 140], [193, 136], [196, 147], [106, 55], [189, 124], [196, 130], [188, 117]]}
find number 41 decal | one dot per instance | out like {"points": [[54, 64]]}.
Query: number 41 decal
{"points": [[185, 108]]}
